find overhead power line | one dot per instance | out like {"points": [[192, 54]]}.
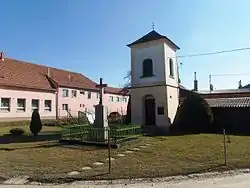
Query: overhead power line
{"points": [[237, 74], [214, 53]]}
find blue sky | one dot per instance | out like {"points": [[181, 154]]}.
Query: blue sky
{"points": [[90, 36]]}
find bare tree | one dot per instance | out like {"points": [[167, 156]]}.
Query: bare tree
{"points": [[127, 85], [126, 91]]}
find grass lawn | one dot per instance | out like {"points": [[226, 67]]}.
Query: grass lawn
{"points": [[6, 126], [164, 157]]}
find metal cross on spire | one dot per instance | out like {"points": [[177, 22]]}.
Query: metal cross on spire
{"points": [[101, 87], [153, 25]]}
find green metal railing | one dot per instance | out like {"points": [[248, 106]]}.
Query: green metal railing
{"points": [[87, 133]]}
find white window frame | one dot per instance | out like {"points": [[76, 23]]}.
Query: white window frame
{"points": [[171, 68], [117, 99], [124, 99], [21, 108], [74, 93], [65, 108], [49, 108], [111, 98], [35, 108], [5, 108], [67, 93], [89, 94]]}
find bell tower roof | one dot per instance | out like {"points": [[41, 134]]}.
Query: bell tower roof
{"points": [[151, 36]]}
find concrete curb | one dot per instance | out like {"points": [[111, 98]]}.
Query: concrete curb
{"points": [[24, 179]]}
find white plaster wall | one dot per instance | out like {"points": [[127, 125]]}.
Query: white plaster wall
{"points": [[28, 96], [173, 101], [164, 95], [170, 53], [83, 103], [152, 51], [114, 106], [137, 104]]}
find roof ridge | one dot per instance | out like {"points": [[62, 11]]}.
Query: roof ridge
{"points": [[227, 98], [152, 36], [60, 76], [41, 65]]}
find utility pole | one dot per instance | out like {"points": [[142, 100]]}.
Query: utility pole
{"points": [[178, 71], [210, 83], [236, 74]]}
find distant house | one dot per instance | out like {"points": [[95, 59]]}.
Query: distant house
{"points": [[54, 92]]}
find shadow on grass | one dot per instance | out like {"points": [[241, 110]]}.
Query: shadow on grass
{"points": [[54, 144], [7, 139], [31, 147]]}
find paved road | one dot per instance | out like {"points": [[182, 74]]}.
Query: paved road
{"points": [[237, 181]]}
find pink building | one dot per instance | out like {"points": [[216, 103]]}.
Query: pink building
{"points": [[55, 93]]}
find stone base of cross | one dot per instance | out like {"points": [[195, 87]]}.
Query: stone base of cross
{"points": [[101, 116]]}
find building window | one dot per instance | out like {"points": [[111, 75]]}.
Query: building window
{"points": [[82, 92], [5, 104], [47, 105], [171, 68], [147, 68], [111, 98], [35, 104], [97, 95], [65, 92], [65, 107], [21, 105], [74, 93], [117, 99], [89, 94], [124, 99]]}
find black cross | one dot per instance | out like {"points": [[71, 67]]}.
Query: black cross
{"points": [[101, 86], [153, 26]]}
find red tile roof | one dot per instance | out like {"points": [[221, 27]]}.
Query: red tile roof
{"points": [[28, 75], [19, 74], [113, 90]]}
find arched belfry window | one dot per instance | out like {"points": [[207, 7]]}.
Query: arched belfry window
{"points": [[147, 68], [171, 68]]}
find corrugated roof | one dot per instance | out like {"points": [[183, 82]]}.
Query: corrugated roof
{"points": [[153, 35], [229, 102], [224, 91]]}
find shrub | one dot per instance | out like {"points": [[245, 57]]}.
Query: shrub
{"points": [[35, 124], [114, 116], [193, 116], [17, 131]]}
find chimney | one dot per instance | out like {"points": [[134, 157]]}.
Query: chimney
{"points": [[69, 77], [195, 82], [240, 85], [49, 73], [211, 87], [2, 56]]}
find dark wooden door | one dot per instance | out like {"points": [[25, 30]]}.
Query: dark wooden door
{"points": [[150, 112]]}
